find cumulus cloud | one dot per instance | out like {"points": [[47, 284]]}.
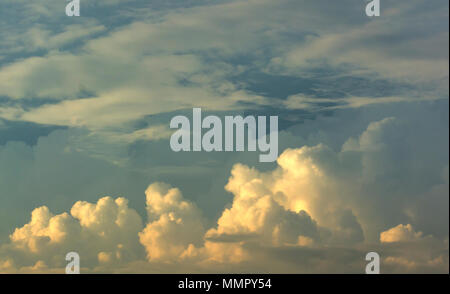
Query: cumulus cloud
{"points": [[57, 174], [400, 233], [102, 232], [174, 224], [256, 211]]}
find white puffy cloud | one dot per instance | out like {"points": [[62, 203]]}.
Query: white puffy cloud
{"points": [[256, 211], [254, 234], [103, 232], [173, 225]]}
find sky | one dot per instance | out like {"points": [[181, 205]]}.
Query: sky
{"points": [[86, 164]]}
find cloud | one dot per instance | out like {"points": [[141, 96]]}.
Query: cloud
{"points": [[408, 251], [255, 234], [104, 232], [393, 38], [105, 75], [255, 210], [400, 233], [319, 202], [173, 225], [57, 174], [357, 160], [310, 103]]}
